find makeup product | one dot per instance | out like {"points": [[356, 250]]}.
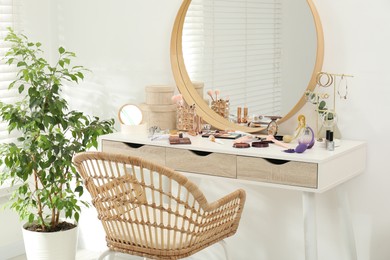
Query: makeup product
{"points": [[301, 148], [245, 118], [214, 140], [279, 137], [279, 143], [241, 145], [179, 140], [327, 139], [330, 142], [261, 144], [307, 137], [238, 115], [246, 139]]}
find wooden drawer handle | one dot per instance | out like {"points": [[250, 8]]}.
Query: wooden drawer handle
{"points": [[134, 145], [201, 153], [276, 161]]}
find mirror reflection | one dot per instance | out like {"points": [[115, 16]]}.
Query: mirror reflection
{"points": [[257, 54], [130, 115]]}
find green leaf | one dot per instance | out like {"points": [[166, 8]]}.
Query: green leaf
{"points": [[11, 85], [80, 190], [73, 77], [21, 88], [31, 218], [26, 75], [61, 50], [322, 105], [21, 64], [80, 75], [55, 88]]}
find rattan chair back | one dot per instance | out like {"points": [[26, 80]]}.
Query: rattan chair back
{"points": [[152, 211]]}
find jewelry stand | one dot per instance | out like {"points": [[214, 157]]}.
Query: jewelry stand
{"points": [[328, 116]]}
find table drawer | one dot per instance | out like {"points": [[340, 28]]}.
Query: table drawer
{"points": [[277, 171], [148, 152], [216, 164]]}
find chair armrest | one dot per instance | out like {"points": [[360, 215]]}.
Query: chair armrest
{"points": [[235, 195], [227, 210]]}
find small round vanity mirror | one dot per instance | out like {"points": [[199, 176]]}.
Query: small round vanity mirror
{"points": [[130, 115]]}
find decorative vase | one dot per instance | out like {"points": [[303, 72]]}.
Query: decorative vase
{"points": [[60, 245]]}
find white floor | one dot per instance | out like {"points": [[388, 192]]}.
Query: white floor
{"points": [[87, 255], [213, 252]]}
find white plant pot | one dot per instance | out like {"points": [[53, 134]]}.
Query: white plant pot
{"points": [[61, 245]]}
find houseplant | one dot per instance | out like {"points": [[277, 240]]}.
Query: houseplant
{"points": [[40, 162]]}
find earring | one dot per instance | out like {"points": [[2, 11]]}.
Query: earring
{"points": [[339, 91], [329, 79]]}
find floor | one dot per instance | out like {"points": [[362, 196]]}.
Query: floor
{"points": [[87, 255], [213, 252]]}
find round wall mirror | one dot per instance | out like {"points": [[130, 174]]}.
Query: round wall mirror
{"points": [[256, 53], [130, 115]]}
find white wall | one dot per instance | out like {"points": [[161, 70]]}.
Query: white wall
{"points": [[11, 243], [356, 42], [113, 39]]}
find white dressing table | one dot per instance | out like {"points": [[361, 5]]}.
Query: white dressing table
{"points": [[315, 171]]}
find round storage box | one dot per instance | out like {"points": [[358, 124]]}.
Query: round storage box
{"points": [[163, 116], [159, 94], [140, 129]]}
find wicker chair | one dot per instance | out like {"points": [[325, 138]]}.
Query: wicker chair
{"points": [[152, 211]]}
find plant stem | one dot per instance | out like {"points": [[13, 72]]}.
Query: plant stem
{"points": [[39, 204]]}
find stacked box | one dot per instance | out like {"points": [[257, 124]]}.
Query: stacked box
{"points": [[158, 109]]}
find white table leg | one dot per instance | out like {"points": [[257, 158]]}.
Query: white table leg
{"points": [[310, 225], [346, 221]]}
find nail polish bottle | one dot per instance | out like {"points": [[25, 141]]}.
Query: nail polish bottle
{"points": [[331, 142], [327, 139]]}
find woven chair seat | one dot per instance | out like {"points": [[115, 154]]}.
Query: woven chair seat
{"points": [[152, 211]]}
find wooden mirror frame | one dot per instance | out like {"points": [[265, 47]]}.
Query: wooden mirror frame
{"points": [[190, 94]]}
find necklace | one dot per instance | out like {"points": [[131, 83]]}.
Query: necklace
{"points": [[343, 94]]}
